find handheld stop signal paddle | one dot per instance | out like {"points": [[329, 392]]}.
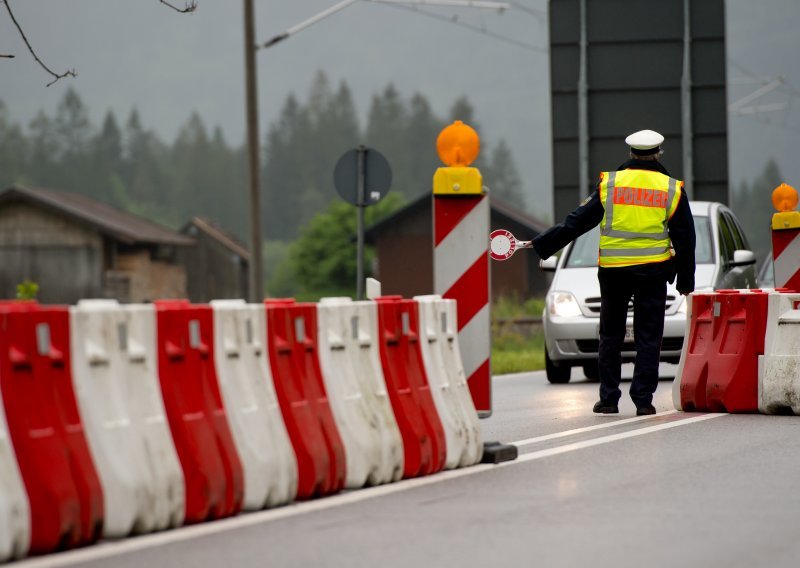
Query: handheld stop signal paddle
{"points": [[502, 244]]}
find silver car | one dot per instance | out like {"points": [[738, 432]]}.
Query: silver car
{"points": [[571, 316]]}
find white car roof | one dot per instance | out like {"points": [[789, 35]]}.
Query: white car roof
{"points": [[702, 208]]}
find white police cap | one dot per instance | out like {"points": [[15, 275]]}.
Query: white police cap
{"points": [[645, 142]]}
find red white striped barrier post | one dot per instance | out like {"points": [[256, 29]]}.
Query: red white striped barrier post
{"points": [[460, 259], [786, 238]]}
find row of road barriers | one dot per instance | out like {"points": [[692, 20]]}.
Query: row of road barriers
{"points": [[741, 353], [126, 419]]}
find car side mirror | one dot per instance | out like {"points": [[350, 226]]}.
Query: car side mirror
{"points": [[743, 258], [549, 264]]}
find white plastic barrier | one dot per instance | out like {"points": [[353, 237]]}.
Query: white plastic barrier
{"points": [[366, 359], [15, 512], [248, 392], [137, 339], [779, 367], [458, 378], [356, 388], [447, 382], [112, 389]]}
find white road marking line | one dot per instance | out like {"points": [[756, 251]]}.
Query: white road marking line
{"points": [[116, 548], [566, 433], [612, 438]]}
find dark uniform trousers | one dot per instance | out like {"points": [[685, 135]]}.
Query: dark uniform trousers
{"points": [[649, 292]]}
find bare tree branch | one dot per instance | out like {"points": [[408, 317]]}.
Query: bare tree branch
{"points": [[69, 73], [6, 56], [187, 8]]}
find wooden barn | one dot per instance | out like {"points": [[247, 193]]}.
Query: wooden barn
{"points": [[404, 251], [75, 247], [217, 265]]}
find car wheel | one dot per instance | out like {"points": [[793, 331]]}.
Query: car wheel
{"points": [[556, 374], [590, 371]]}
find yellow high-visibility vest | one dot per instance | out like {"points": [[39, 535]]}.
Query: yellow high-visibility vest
{"points": [[638, 205]]}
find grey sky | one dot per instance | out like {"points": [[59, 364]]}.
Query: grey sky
{"points": [[145, 55]]}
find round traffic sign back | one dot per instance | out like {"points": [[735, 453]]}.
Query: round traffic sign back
{"points": [[377, 176]]}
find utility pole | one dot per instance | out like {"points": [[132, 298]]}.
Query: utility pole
{"points": [[255, 292], [584, 188]]}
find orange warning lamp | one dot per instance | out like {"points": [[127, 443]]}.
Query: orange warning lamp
{"points": [[784, 198], [458, 144]]}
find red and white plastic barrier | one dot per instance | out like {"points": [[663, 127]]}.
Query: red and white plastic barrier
{"points": [[302, 397], [424, 446], [211, 467], [268, 462], [719, 371], [61, 482], [127, 419], [696, 338]]}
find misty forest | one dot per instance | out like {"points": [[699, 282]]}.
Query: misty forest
{"points": [[125, 164]]}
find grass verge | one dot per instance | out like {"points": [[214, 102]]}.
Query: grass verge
{"points": [[514, 351]]}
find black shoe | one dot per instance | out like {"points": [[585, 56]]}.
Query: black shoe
{"points": [[646, 410], [604, 407]]}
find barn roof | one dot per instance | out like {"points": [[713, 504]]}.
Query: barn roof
{"points": [[115, 223], [502, 211], [220, 235]]}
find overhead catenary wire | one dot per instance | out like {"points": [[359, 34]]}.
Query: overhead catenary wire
{"points": [[540, 15], [785, 84], [478, 29]]}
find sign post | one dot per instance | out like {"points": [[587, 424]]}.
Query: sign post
{"points": [[362, 177]]}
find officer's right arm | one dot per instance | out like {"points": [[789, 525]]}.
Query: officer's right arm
{"points": [[587, 216]]}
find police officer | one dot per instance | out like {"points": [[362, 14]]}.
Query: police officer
{"points": [[646, 239]]}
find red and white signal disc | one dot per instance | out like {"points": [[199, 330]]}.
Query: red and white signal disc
{"points": [[502, 244]]}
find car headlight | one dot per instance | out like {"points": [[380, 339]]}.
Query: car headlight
{"points": [[564, 304]]}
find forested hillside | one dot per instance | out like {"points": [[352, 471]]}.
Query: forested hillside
{"points": [[123, 162]]}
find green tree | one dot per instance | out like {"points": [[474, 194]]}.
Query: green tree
{"points": [[324, 256]]}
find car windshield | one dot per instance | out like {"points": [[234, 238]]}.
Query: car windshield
{"points": [[583, 253]]}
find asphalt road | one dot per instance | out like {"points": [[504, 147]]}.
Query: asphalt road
{"points": [[675, 489]]}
